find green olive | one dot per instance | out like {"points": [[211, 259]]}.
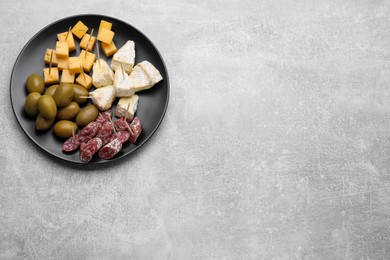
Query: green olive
{"points": [[68, 112], [47, 107], [64, 129], [31, 104], [64, 95], [50, 90], [80, 91], [34, 83], [87, 115], [42, 124]]}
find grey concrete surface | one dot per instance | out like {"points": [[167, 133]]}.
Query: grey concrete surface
{"points": [[275, 144]]}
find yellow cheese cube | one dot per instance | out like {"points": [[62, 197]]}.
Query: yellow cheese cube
{"points": [[105, 35], [70, 40], [67, 76], [75, 64], [62, 50], [87, 60], [47, 57], [79, 29], [108, 49], [85, 82], [104, 24], [63, 63], [87, 41], [51, 78]]}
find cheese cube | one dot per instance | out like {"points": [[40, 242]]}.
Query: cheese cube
{"points": [[104, 24], [75, 64], [63, 63], [47, 57], [70, 40], [62, 50], [105, 35], [85, 82], [79, 29], [86, 41], [109, 49], [87, 60], [67, 76], [51, 78]]}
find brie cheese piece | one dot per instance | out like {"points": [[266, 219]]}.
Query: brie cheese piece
{"points": [[124, 56], [144, 76], [103, 97], [153, 73], [126, 107], [102, 74], [122, 84]]}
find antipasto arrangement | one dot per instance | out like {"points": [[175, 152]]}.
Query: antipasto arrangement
{"points": [[60, 99]]}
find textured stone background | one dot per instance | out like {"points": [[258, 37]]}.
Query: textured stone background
{"points": [[275, 143]]}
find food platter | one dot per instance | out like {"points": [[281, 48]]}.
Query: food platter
{"points": [[152, 102]]}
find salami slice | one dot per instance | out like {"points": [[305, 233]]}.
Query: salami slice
{"points": [[104, 117], [120, 124], [72, 143], [110, 149], [136, 129], [122, 136], [105, 132], [89, 131], [88, 149]]}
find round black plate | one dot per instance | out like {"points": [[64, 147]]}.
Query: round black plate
{"points": [[152, 103]]}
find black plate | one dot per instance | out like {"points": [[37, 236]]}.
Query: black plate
{"points": [[152, 103]]}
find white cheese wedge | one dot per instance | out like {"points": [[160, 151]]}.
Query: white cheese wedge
{"points": [[102, 74], [124, 56], [144, 76], [126, 107], [139, 79], [153, 73], [122, 84], [103, 97]]}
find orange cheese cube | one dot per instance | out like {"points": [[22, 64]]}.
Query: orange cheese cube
{"points": [[52, 77], [87, 59], [75, 64], [87, 41], [70, 40], [108, 49], [104, 24], [67, 76], [62, 50], [85, 82], [63, 63], [47, 57], [105, 35], [79, 29]]}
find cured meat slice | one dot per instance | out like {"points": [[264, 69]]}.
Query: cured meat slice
{"points": [[122, 136], [89, 131], [120, 124], [72, 143], [88, 149], [105, 132], [104, 117], [136, 129], [110, 149]]}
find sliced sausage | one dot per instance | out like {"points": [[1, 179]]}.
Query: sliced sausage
{"points": [[87, 150], [110, 149]]}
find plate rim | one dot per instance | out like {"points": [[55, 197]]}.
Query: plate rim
{"points": [[99, 161]]}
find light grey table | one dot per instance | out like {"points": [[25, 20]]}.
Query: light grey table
{"points": [[275, 144]]}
